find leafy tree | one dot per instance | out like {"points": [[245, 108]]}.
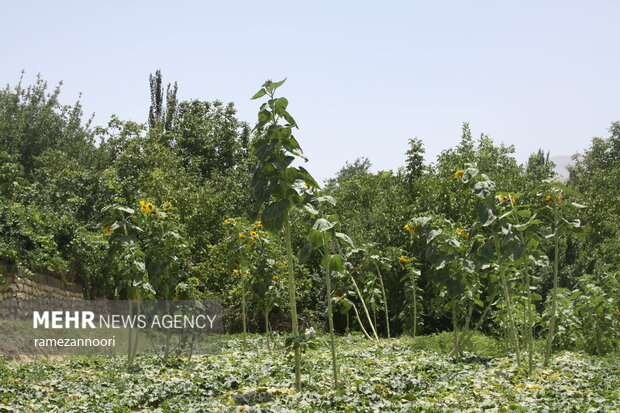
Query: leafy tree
{"points": [[162, 113], [32, 120], [595, 175]]}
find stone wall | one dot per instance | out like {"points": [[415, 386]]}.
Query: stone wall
{"points": [[22, 284]]}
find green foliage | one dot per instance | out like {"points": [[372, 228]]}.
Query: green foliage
{"points": [[595, 175], [471, 249], [589, 315], [35, 237], [33, 120], [385, 376]]}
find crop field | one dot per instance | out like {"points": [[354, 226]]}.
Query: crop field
{"points": [[392, 375]]}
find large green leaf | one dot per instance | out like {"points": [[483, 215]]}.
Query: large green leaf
{"points": [[483, 189], [276, 85], [323, 224], [486, 215], [280, 105], [259, 94], [487, 251], [345, 238], [276, 209], [306, 251], [432, 234], [336, 263], [316, 238]]}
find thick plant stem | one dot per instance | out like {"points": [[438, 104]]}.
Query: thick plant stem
{"points": [[554, 303], [385, 303], [359, 321], [512, 328], [137, 335], [464, 333], [359, 294], [267, 330], [292, 300], [415, 306], [130, 336], [330, 319], [471, 332], [244, 316], [455, 330], [528, 321]]}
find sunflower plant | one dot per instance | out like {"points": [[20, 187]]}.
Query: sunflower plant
{"points": [[554, 209], [147, 247], [276, 183], [253, 263], [326, 238]]}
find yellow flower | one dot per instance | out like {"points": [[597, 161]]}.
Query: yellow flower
{"points": [[404, 260], [462, 233], [459, 173], [546, 198], [275, 278], [146, 206], [226, 221], [236, 272], [502, 198], [166, 206], [618, 311], [265, 235], [196, 280], [558, 199], [259, 224], [412, 227], [107, 229], [513, 200], [241, 235], [253, 234]]}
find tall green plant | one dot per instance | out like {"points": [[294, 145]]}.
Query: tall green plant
{"points": [[324, 237], [275, 183], [554, 210]]}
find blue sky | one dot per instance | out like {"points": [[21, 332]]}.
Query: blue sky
{"points": [[363, 77]]}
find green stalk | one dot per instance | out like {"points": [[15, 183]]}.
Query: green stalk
{"points": [[330, 319], [527, 317], [528, 320], [243, 314], [359, 294], [415, 306], [556, 260], [130, 335], [512, 329], [471, 332], [359, 321], [464, 333], [455, 330], [267, 330], [292, 300], [385, 303]]}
